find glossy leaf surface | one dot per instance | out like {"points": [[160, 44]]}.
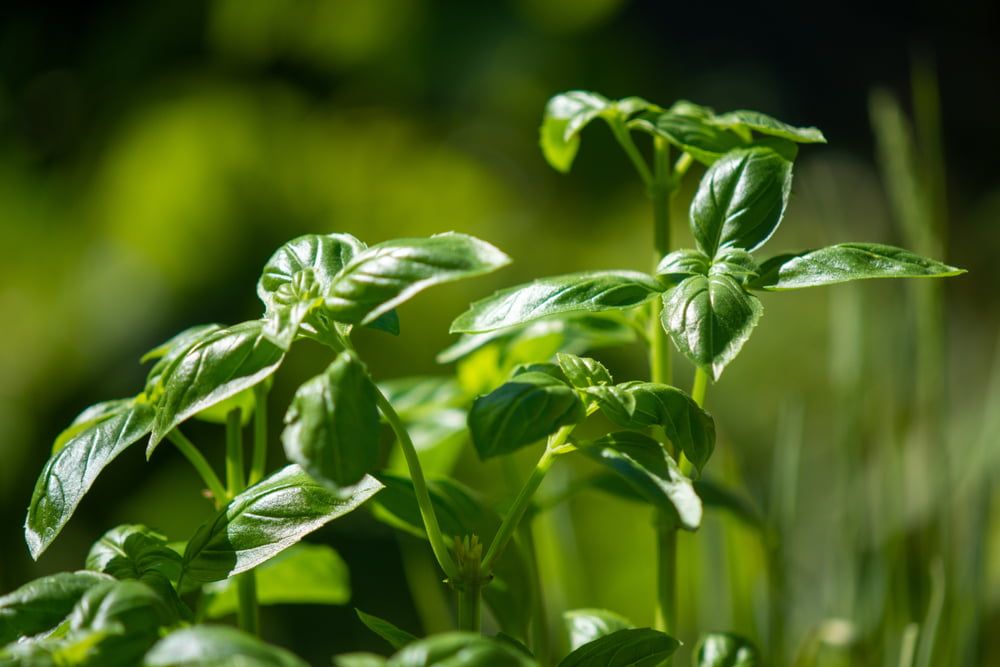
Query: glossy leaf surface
{"points": [[90, 417], [689, 127], [396, 637], [764, 124], [631, 647], [41, 604], [586, 625], [460, 649], [583, 371], [133, 551], [217, 646], [726, 650]]}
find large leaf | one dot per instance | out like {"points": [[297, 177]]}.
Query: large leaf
{"points": [[586, 625], [845, 262], [132, 551], [460, 649], [741, 200], [764, 124], [396, 637], [90, 417], [217, 646], [41, 604], [709, 318], [301, 574], [332, 425], [267, 518], [526, 409], [648, 468], [591, 291], [387, 274], [169, 353], [71, 471], [726, 650], [218, 367], [630, 647]]}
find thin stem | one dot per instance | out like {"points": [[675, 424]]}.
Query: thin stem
{"points": [[258, 463], [235, 481], [201, 464], [469, 607], [666, 580], [248, 612], [700, 387], [625, 139]]}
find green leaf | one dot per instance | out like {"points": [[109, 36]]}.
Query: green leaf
{"points": [[586, 625], [358, 660], [217, 646], [217, 367], [631, 647], [726, 650], [416, 396], [682, 263], [169, 353], [41, 604], [301, 574], [397, 638], [91, 417], [387, 274], [460, 649], [764, 124], [266, 519], [691, 129], [583, 371], [646, 465], [844, 262], [332, 424], [709, 318], [741, 200], [591, 291], [132, 551], [72, 470], [714, 494], [530, 407]]}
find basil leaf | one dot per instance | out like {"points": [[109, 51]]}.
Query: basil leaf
{"points": [[91, 417], [43, 603], [764, 124], [583, 371], [417, 396], [219, 366], [72, 470], [690, 128], [709, 318], [332, 424], [132, 551], [591, 291], [646, 466], [266, 519], [526, 409], [726, 650], [217, 646], [387, 274], [741, 200], [301, 574], [460, 649], [679, 264], [631, 647], [397, 638], [734, 262], [586, 625], [169, 353], [844, 262], [358, 660]]}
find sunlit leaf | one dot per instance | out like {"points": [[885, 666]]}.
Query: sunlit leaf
{"points": [[630, 647], [586, 625], [41, 604]]}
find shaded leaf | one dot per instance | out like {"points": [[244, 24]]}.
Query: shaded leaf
{"points": [[460, 649], [43, 603], [397, 638], [217, 646], [132, 551], [764, 124], [583, 371], [690, 128], [631, 647]]}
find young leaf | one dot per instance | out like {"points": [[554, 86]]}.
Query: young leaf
{"points": [[133, 551], [683, 263], [586, 625], [71, 471], [217, 646], [387, 274], [844, 262], [267, 518], [645, 464], [301, 574], [396, 637], [583, 371], [734, 262], [41, 604], [524, 410], [169, 353], [726, 650], [460, 649], [129, 606], [332, 427], [709, 318], [690, 128], [741, 200], [591, 291], [219, 366], [764, 124], [631, 647]]}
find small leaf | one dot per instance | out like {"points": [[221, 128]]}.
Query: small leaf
{"points": [[683, 263], [592, 291], [691, 129], [219, 366], [586, 625], [217, 646], [460, 649], [267, 518], [741, 200], [301, 574], [734, 262], [709, 318], [43, 603], [387, 274], [132, 551], [530, 407], [631, 647], [645, 464], [764, 124], [845, 262], [71, 471], [726, 650], [583, 371], [396, 637], [332, 424]]}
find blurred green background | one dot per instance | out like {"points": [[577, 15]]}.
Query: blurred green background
{"points": [[153, 155]]}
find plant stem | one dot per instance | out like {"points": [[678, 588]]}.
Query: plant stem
{"points": [[200, 464], [666, 582], [246, 583], [469, 608], [248, 613], [259, 461], [699, 387], [624, 138]]}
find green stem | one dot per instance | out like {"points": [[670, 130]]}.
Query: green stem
{"points": [[258, 463], [666, 580], [624, 138], [469, 607], [235, 481], [700, 387], [200, 464], [248, 612]]}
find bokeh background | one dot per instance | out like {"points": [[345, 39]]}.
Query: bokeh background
{"points": [[153, 155]]}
